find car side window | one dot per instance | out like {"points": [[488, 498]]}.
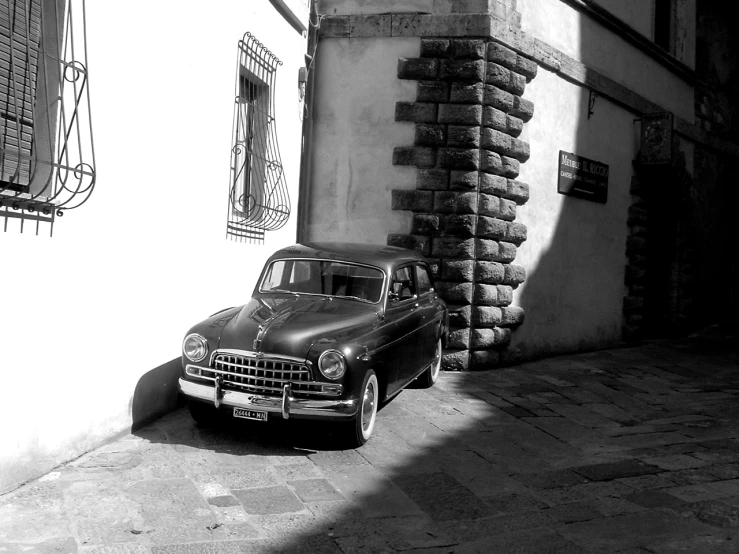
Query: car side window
{"points": [[423, 280], [300, 273], [275, 275], [403, 285]]}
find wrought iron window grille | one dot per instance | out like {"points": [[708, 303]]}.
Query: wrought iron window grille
{"points": [[47, 159], [258, 197]]}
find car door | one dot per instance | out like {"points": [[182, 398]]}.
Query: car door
{"points": [[428, 312], [403, 315]]}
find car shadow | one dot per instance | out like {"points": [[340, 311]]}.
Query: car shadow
{"points": [[276, 436]]}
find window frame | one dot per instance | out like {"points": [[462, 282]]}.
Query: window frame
{"points": [[423, 266], [258, 196], [253, 91], [60, 146], [663, 28], [401, 300]]}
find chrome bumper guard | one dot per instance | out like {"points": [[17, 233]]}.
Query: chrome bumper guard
{"points": [[286, 405]]}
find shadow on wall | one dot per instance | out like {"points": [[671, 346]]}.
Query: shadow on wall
{"points": [[156, 394], [573, 293]]}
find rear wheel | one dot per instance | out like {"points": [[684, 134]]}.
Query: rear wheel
{"points": [[431, 374], [205, 415], [364, 422]]}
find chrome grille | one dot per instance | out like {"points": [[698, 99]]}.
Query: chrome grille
{"points": [[261, 375]]}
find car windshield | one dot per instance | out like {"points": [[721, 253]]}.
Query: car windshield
{"points": [[324, 277]]}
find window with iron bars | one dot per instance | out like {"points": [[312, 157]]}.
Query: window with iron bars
{"points": [[258, 197], [47, 163]]}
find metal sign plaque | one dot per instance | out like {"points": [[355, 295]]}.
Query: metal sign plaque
{"points": [[582, 177], [656, 138]]}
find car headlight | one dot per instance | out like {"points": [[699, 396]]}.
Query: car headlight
{"points": [[195, 347], [332, 364]]}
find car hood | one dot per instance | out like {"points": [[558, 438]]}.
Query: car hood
{"points": [[290, 325]]}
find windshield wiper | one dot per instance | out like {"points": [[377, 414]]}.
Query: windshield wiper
{"points": [[352, 297], [285, 291]]}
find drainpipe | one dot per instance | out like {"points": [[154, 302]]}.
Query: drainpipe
{"points": [[306, 155]]}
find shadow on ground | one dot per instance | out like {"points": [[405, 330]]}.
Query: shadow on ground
{"points": [[629, 450], [624, 450]]}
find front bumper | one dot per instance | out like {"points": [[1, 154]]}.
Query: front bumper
{"points": [[286, 405]]}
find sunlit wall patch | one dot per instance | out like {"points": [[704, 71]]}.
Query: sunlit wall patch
{"points": [[258, 197]]}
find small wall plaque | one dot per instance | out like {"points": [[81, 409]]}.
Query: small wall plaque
{"points": [[656, 139], [582, 177]]}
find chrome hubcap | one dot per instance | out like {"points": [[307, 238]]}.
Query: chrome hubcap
{"points": [[368, 406]]}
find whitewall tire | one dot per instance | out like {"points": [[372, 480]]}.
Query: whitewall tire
{"points": [[364, 422]]}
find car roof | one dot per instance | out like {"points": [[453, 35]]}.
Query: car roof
{"points": [[379, 255]]}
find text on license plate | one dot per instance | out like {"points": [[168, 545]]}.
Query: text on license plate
{"points": [[250, 414]]}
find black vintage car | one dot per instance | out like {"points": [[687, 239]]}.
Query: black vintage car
{"points": [[331, 331]]}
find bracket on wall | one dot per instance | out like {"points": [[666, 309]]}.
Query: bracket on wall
{"points": [[591, 101]]}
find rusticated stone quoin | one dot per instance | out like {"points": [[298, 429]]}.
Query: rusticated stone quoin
{"points": [[418, 68], [416, 112], [433, 179], [460, 316], [412, 242], [468, 114], [425, 224], [413, 200], [466, 93], [458, 270], [455, 202], [433, 91], [506, 57]]}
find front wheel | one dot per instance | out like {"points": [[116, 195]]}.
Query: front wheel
{"points": [[364, 422], [431, 374]]}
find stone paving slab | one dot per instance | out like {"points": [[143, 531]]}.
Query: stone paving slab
{"points": [[632, 450], [615, 470], [268, 500], [632, 530]]}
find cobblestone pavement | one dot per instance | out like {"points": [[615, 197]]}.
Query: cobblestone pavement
{"points": [[632, 450]]}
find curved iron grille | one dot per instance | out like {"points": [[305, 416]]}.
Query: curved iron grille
{"points": [[258, 198], [47, 160]]}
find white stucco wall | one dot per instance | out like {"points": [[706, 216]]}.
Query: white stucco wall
{"points": [[354, 136], [88, 314]]}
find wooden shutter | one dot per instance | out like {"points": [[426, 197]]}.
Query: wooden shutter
{"points": [[20, 33]]}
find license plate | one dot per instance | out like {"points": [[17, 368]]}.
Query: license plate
{"points": [[250, 414]]}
